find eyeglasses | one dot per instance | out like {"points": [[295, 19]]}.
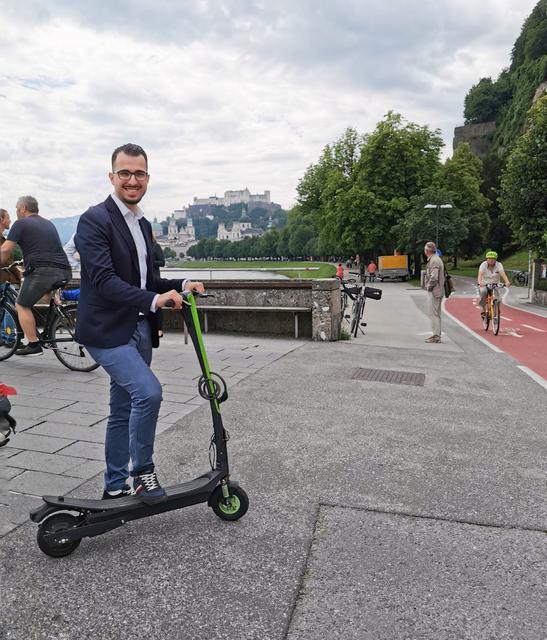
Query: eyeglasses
{"points": [[125, 174]]}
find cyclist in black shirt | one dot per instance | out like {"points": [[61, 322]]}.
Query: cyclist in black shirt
{"points": [[45, 263]]}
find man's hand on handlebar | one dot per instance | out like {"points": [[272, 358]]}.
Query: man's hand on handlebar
{"points": [[194, 286], [171, 299]]}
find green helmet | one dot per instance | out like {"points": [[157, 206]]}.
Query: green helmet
{"points": [[492, 254]]}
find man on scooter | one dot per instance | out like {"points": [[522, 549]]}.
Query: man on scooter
{"points": [[117, 321]]}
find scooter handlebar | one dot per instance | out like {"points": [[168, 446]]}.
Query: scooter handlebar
{"points": [[170, 303]]}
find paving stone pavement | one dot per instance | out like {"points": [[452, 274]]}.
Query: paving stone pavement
{"points": [[61, 415], [378, 511]]}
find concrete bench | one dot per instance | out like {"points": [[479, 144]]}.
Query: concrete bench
{"points": [[206, 308]]}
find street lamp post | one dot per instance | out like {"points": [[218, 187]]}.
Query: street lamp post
{"points": [[438, 207]]}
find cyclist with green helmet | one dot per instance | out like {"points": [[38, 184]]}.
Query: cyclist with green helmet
{"points": [[490, 272]]}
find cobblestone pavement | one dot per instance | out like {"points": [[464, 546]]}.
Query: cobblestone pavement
{"points": [[61, 415]]}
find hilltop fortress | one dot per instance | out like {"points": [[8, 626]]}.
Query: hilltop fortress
{"points": [[234, 197]]}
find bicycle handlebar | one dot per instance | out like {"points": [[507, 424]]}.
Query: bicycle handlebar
{"points": [[493, 285], [9, 267]]}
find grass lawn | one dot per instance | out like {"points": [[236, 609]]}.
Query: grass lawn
{"points": [[517, 262], [298, 269]]}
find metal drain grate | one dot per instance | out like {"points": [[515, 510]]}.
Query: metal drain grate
{"points": [[393, 377]]}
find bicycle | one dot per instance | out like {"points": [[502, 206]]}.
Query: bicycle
{"points": [[345, 293], [520, 278], [59, 324], [493, 309], [362, 293]]}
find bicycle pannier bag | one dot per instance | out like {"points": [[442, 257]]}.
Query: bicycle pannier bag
{"points": [[374, 294]]}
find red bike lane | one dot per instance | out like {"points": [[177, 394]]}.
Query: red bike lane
{"points": [[522, 335]]}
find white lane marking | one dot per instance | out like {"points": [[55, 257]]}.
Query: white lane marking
{"points": [[508, 319], [535, 376], [475, 335], [534, 328], [510, 332]]}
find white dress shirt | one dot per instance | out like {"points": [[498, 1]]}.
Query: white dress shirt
{"points": [[132, 220]]}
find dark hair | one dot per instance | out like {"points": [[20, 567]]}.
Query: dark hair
{"points": [[130, 150]]}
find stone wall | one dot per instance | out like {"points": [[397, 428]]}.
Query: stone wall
{"points": [[539, 296], [321, 297], [479, 136]]}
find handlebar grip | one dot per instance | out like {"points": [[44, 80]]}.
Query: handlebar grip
{"points": [[169, 304]]}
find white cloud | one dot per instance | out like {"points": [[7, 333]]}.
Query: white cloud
{"points": [[222, 94]]}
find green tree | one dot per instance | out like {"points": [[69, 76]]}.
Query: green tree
{"points": [[461, 176], [268, 244], [485, 99], [419, 225], [524, 182]]}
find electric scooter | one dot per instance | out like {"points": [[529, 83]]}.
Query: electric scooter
{"points": [[64, 521]]}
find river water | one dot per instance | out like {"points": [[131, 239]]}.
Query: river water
{"points": [[221, 274]]}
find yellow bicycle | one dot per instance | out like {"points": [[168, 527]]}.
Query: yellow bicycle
{"points": [[493, 309]]}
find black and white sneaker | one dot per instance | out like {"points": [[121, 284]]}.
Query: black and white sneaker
{"points": [[124, 492], [148, 489], [31, 349]]}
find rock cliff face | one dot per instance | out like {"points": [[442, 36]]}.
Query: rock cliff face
{"points": [[479, 137], [540, 91]]}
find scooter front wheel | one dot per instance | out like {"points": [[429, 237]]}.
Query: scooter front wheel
{"points": [[231, 508], [56, 523]]}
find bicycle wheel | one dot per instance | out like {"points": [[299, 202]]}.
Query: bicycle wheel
{"points": [[343, 302], [73, 355], [496, 317], [11, 333], [486, 316], [357, 318]]}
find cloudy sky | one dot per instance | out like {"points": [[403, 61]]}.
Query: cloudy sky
{"points": [[224, 94]]}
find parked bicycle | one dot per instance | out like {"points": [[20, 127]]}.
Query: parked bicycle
{"points": [[345, 293], [59, 324], [359, 294], [520, 278], [493, 309]]}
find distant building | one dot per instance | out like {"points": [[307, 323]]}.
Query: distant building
{"points": [[240, 229], [157, 229], [179, 239], [234, 197]]}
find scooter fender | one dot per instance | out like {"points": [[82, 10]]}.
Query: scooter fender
{"points": [[43, 511], [231, 483]]}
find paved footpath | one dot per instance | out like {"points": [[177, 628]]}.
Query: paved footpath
{"points": [[61, 415], [411, 505]]}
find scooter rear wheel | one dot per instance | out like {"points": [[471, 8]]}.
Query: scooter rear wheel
{"points": [[55, 523], [237, 507]]}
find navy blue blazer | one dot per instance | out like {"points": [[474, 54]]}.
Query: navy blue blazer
{"points": [[111, 297]]}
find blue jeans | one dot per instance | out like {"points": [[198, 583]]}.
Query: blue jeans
{"points": [[135, 399]]}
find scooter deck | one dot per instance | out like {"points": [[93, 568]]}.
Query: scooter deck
{"points": [[66, 502]]}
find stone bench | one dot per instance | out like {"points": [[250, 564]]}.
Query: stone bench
{"points": [[300, 308], [206, 308]]}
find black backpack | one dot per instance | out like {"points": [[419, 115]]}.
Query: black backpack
{"points": [[448, 284]]}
